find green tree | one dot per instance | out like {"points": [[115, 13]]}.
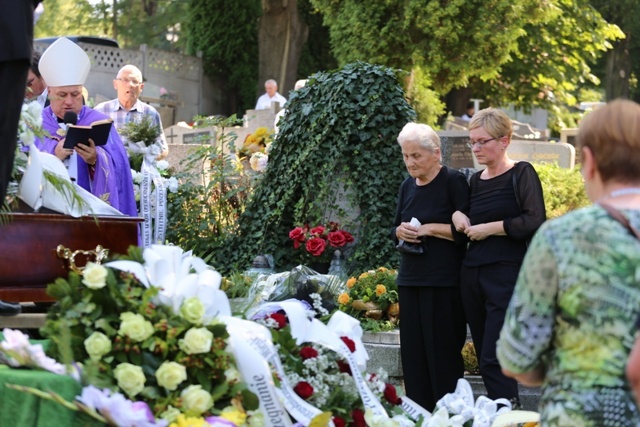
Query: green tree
{"points": [[511, 52], [68, 18], [229, 51]]}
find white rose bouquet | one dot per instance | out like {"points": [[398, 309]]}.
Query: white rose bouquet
{"points": [[149, 343]]}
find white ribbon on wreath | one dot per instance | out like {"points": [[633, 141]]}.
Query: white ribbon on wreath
{"points": [[153, 229]]}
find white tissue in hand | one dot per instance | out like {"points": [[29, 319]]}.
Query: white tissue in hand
{"points": [[414, 221]]}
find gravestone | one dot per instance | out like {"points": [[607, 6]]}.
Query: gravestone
{"points": [[255, 119], [185, 141], [559, 153], [455, 152], [569, 136], [184, 135]]}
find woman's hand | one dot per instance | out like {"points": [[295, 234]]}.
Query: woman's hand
{"points": [[482, 231], [87, 152], [407, 232], [61, 152], [460, 221]]}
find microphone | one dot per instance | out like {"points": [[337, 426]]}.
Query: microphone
{"points": [[70, 118]]}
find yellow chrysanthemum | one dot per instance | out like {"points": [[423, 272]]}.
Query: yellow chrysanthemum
{"points": [[363, 275], [184, 421], [383, 269], [380, 289], [351, 282], [343, 298], [234, 415]]}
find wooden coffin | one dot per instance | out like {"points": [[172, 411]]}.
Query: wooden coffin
{"points": [[28, 242]]}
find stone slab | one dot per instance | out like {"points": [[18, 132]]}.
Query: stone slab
{"points": [[455, 152], [560, 153], [184, 135]]}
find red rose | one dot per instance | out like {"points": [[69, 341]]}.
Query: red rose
{"points": [[339, 422], [315, 246], [391, 394], [297, 235], [349, 342], [317, 231], [280, 319], [344, 367], [347, 236], [337, 239], [358, 418], [308, 353], [303, 389]]}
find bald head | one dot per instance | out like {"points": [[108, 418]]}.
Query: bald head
{"points": [[128, 84]]}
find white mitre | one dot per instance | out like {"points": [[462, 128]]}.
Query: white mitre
{"points": [[64, 63]]}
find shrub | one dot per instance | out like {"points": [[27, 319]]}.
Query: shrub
{"points": [[563, 189], [339, 133]]}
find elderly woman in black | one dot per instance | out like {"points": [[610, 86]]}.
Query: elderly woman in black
{"points": [[506, 208], [432, 325]]}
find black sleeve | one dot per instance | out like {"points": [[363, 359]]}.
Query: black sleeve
{"points": [[458, 188], [531, 200]]}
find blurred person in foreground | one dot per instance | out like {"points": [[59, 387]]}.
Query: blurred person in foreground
{"points": [[432, 325], [571, 323], [103, 171], [506, 207], [127, 107]]}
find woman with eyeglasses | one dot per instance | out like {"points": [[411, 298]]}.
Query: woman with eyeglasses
{"points": [[506, 207]]}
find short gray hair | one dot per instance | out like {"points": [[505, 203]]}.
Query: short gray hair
{"points": [[420, 133]]}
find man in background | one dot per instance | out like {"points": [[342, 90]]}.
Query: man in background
{"points": [[36, 86], [127, 107], [271, 95]]}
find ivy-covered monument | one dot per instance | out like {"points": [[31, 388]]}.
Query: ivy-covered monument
{"points": [[335, 158]]}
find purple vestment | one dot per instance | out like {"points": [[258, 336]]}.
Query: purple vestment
{"points": [[112, 180]]}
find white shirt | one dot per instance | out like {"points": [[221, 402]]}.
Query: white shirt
{"points": [[264, 102]]}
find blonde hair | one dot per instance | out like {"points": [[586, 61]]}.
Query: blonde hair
{"points": [[494, 121], [612, 133], [420, 133]]}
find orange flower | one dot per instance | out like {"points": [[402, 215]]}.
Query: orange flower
{"points": [[363, 275], [343, 298], [351, 282], [380, 289]]}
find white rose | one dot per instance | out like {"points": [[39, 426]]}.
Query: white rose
{"points": [[195, 400], [94, 276], [197, 340], [130, 378], [162, 164], [135, 327], [172, 183], [97, 345], [170, 375]]}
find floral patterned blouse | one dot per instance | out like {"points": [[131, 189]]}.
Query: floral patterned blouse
{"points": [[574, 310]]}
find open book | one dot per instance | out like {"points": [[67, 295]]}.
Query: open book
{"points": [[98, 131]]}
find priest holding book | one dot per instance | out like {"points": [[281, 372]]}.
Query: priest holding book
{"points": [[104, 170]]}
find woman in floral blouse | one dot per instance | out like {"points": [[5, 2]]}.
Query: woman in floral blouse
{"points": [[570, 323]]}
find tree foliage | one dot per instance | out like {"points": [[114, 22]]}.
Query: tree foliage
{"points": [[340, 129], [68, 18], [225, 31]]}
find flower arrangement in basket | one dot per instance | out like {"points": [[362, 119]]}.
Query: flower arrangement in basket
{"points": [[319, 240], [372, 295], [150, 331]]}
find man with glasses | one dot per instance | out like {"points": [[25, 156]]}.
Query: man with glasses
{"points": [[127, 107], [37, 89]]}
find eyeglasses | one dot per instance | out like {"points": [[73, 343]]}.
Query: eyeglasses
{"points": [[472, 144], [132, 82]]}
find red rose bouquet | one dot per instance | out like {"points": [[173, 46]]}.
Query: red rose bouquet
{"points": [[320, 241]]}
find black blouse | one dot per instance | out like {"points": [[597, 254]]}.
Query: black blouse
{"points": [[434, 202], [495, 199]]}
